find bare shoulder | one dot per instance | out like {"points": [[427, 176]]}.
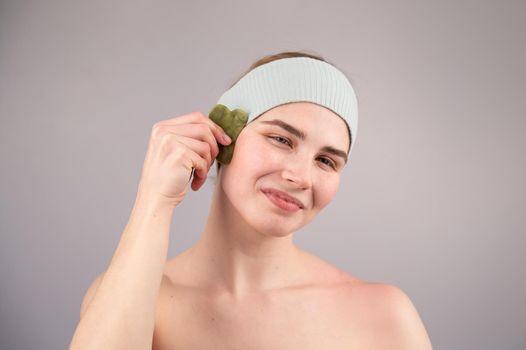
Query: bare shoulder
{"points": [[377, 308], [392, 314]]}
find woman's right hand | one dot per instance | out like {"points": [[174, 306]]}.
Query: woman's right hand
{"points": [[176, 146]]}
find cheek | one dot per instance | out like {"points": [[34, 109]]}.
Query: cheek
{"points": [[251, 153], [238, 175], [326, 190]]}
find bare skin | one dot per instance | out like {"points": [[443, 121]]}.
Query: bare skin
{"points": [[245, 285], [307, 315], [328, 310]]}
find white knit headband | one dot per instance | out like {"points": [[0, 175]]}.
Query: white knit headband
{"points": [[294, 79]]}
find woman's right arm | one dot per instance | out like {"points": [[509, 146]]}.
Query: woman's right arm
{"points": [[118, 310]]}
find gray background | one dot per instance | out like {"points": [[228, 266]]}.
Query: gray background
{"points": [[432, 200]]}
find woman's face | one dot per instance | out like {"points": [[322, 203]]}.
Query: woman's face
{"points": [[268, 156]]}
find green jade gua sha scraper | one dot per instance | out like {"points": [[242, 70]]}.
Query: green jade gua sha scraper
{"points": [[232, 123]]}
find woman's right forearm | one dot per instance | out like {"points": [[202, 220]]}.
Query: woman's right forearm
{"points": [[121, 314]]}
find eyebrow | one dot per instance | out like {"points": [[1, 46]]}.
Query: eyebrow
{"points": [[302, 136]]}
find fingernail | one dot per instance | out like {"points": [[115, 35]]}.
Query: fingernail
{"points": [[226, 138]]}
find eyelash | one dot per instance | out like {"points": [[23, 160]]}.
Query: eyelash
{"points": [[332, 164]]}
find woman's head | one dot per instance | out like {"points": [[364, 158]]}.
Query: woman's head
{"points": [[297, 147]]}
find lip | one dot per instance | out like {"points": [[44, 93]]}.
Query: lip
{"points": [[284, 195]]}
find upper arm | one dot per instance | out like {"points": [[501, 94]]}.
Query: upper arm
{"points": [[90, 293], [403, 327]]}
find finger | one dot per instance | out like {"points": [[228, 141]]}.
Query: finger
{"points": [[192, 161], [199, 169], [198, 117], [200, 132], [197, 183], [200, 147]]}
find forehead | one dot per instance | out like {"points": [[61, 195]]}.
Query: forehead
{"points": [[310, 118]]}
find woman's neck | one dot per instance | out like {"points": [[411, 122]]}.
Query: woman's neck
{"points": [[236, 258]]}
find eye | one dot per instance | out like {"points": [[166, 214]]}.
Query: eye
{"points": [[330, 162], [282, 138]]}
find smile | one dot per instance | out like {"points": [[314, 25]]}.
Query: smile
{"points": [[282, 204]]}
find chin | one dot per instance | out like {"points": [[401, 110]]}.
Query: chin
{"points": [[272, 225], [279, 231], [274, 232]]}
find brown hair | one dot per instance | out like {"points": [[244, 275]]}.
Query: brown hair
{"points": [[277, 56]]}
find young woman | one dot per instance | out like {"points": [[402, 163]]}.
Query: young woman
{"points": [[244, 284]]}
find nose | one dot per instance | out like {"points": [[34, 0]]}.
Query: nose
{"points": [[298, 171]]}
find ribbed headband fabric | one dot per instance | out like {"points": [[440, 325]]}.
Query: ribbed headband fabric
{"points": [[294, 79]]}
